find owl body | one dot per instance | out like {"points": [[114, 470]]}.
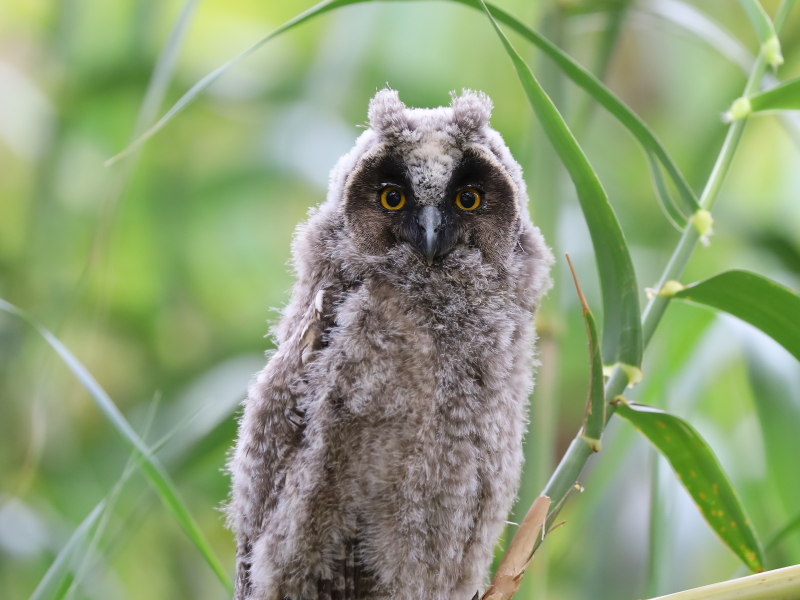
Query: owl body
{"points": [[380, 448]]}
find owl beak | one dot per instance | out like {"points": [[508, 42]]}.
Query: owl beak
{"points": [[430, 222]]}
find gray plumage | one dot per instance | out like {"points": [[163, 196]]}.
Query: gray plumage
{"points": [[380, 448]]}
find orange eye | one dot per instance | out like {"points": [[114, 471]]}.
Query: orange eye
{"points": [[392, 198], [468, 199]]}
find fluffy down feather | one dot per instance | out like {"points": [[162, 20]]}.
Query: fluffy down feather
{"points": [[380, 448]]}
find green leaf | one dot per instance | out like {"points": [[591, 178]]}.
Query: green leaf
{"points": [[206, 81], [673, 213], [769, 306], [622, 331], [613, 14], [65, 562], [62, 566], [604, 96], [164, 69], [594, 420], [720, 39], [699, 471], [765, 31], [785, 96], [579, 75], [150, 466]]}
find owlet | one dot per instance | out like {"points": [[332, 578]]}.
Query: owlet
{"points": [[380, 448]]}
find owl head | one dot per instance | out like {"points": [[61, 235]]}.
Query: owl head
{"points": [[436, 181]]}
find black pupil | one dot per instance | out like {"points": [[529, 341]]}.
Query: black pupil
{"points": [[468, 199], [394, 198]]}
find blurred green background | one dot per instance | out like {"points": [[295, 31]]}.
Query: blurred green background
{"points": [[162, 272]]}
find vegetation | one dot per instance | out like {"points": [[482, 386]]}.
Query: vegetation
{"points": [[157, 271]]}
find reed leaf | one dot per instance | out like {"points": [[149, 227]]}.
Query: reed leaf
{"points": [[785, 96], [700, 473], [62, 566], [765, 304], [692, 20], [199, 87], [578, 74], [594, 420], [622, 331], [150, 466]]}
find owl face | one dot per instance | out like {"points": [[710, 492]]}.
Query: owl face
{"points": [[433, 181]]}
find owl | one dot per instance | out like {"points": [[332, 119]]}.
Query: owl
{"points": [[380, 449]]}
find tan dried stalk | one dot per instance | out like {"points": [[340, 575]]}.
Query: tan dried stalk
{"points": [[506, 580]]}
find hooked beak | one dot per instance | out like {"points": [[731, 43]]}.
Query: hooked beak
{"points": [[430, 224]]}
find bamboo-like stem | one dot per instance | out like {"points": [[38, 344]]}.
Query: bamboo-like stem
{"points": [[656, 554], [571, 465], [780, 584], [508, 577]]}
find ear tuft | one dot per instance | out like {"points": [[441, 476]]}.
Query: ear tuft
{"points": [[386, 112], [471, 110]]}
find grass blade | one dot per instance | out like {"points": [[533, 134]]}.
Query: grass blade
{"points": [[594, 420], [206, 81], [692, 20], [579, 75], [622, 332], [165, 67], [700, 473], [110, 501], [765, 31], [785, 96], [614, 15], [151, 468], [53, 580], [769, 306]]}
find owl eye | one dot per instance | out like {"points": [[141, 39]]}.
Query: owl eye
{"points": [[392, 198], [468, 199]]}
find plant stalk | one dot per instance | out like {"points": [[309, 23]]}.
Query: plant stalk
{"points": [[658, 554], [569, 469], [780, 584]]}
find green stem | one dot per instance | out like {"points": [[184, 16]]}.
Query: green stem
{"points": [[683, 251], [658, 554], [780, 583], [571, 465]]}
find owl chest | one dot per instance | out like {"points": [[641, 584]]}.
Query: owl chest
{"points": [[392, 356], [419, 397]]}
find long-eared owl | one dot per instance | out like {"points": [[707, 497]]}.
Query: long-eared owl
{"points": [[380, 449]]}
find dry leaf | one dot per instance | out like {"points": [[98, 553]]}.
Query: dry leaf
{"points": [[520, 551]]}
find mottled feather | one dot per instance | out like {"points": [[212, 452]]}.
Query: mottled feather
{"points": [[380, 448]]}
